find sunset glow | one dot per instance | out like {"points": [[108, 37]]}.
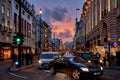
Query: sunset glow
{"points": [[60, 15]]}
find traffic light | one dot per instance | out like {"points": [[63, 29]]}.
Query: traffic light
{"points": [[18, 39], [14, 39]]}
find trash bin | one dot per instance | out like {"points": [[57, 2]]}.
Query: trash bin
{"points": [[118, 58]]}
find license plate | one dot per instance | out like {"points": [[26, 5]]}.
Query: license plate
{"points": [[97, 73]]}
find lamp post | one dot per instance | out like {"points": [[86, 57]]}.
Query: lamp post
{"points": [[19, 45], [76, 12], [40, 12], [109, 39]]}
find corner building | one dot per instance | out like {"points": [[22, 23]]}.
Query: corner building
{"points": [[101, 20]]}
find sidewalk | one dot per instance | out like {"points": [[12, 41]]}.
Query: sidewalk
{"points": [[5, 62], [14, 69]]}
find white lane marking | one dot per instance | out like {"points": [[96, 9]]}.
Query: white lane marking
{"points": [[18, 75]]}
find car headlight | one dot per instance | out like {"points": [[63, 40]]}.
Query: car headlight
{"points": [[40, 61], [101, 61], [101, 67], [84, 69], [89, 61]]}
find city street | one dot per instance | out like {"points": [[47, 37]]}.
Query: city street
{"points": [[41, 74], [79, 35]]}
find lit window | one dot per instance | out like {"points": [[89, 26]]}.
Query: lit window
{"points": [[8, 12], [3, 22], [3, 9]]}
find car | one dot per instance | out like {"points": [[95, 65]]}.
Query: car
{"points": [[46, 57], [77, 66], [91, 58]]}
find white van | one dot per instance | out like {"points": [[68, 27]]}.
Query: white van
{"points": [[46, 57]]}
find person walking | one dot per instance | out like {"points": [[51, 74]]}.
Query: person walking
{"points": [[22, 57], [31, 57], [27, 58], [97, 55]]}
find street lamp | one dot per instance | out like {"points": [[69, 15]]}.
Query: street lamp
{"points": [[76, 12], [40, 12], [109, 39]]}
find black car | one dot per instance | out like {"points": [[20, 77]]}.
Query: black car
{"points": [[90, 57], [78, 66]]}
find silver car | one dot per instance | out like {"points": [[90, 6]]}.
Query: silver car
{"points": [[46, 57]]}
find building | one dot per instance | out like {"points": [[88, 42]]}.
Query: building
{"points": [[27, 24], [5, 28], [9, 26], [79, 38], [43, 35], [100, 19], [46, 42], [56, 44]]}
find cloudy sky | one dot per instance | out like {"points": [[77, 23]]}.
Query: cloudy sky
{"points": [[60, 15]]}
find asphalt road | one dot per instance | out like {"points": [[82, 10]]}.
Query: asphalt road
{"points": [[36, 74]]}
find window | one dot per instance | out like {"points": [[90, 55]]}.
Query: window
{"points": [[23, 12], [16, 6], [3, 22], [3, 9], [28, 17], [8, 24], [8, 12]]}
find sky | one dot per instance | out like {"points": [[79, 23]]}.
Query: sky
{"points": [[60, 15]]}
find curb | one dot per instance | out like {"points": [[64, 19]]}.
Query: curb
{"points": [[14, 69]]}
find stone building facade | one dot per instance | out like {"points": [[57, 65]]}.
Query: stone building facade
{"points": [[100, 19]]}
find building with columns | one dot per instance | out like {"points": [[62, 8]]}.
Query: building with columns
{"points": [[27, 24], [100, 21]]}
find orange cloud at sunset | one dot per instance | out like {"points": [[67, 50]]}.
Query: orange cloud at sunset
{"points": [[64, 29]]}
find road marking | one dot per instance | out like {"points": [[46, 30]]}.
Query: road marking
{"points": [[18, 75]]}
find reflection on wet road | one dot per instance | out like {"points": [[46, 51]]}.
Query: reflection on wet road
{"points": [[61, 76]]}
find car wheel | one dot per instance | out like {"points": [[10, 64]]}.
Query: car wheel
{"points": [[76, 74], [52, 70]]}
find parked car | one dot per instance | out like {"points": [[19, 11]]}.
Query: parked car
{"points": [[76, 65], [90, 57], [46, 57]]}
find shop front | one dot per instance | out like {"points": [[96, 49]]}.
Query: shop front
{"points": [[5, 51]]}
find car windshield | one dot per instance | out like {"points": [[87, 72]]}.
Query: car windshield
{"points": [[79, 60], [46, 56], [76, 59]]}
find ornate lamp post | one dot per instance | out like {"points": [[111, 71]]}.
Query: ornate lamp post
{"points": [[40, 12], [109, 39]]}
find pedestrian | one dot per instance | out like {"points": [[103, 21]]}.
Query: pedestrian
{"points": [[97, 55], [27, 58], [22, 57], [31, 57]]}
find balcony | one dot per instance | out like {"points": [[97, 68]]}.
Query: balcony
{"points": [[3, 30]]}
